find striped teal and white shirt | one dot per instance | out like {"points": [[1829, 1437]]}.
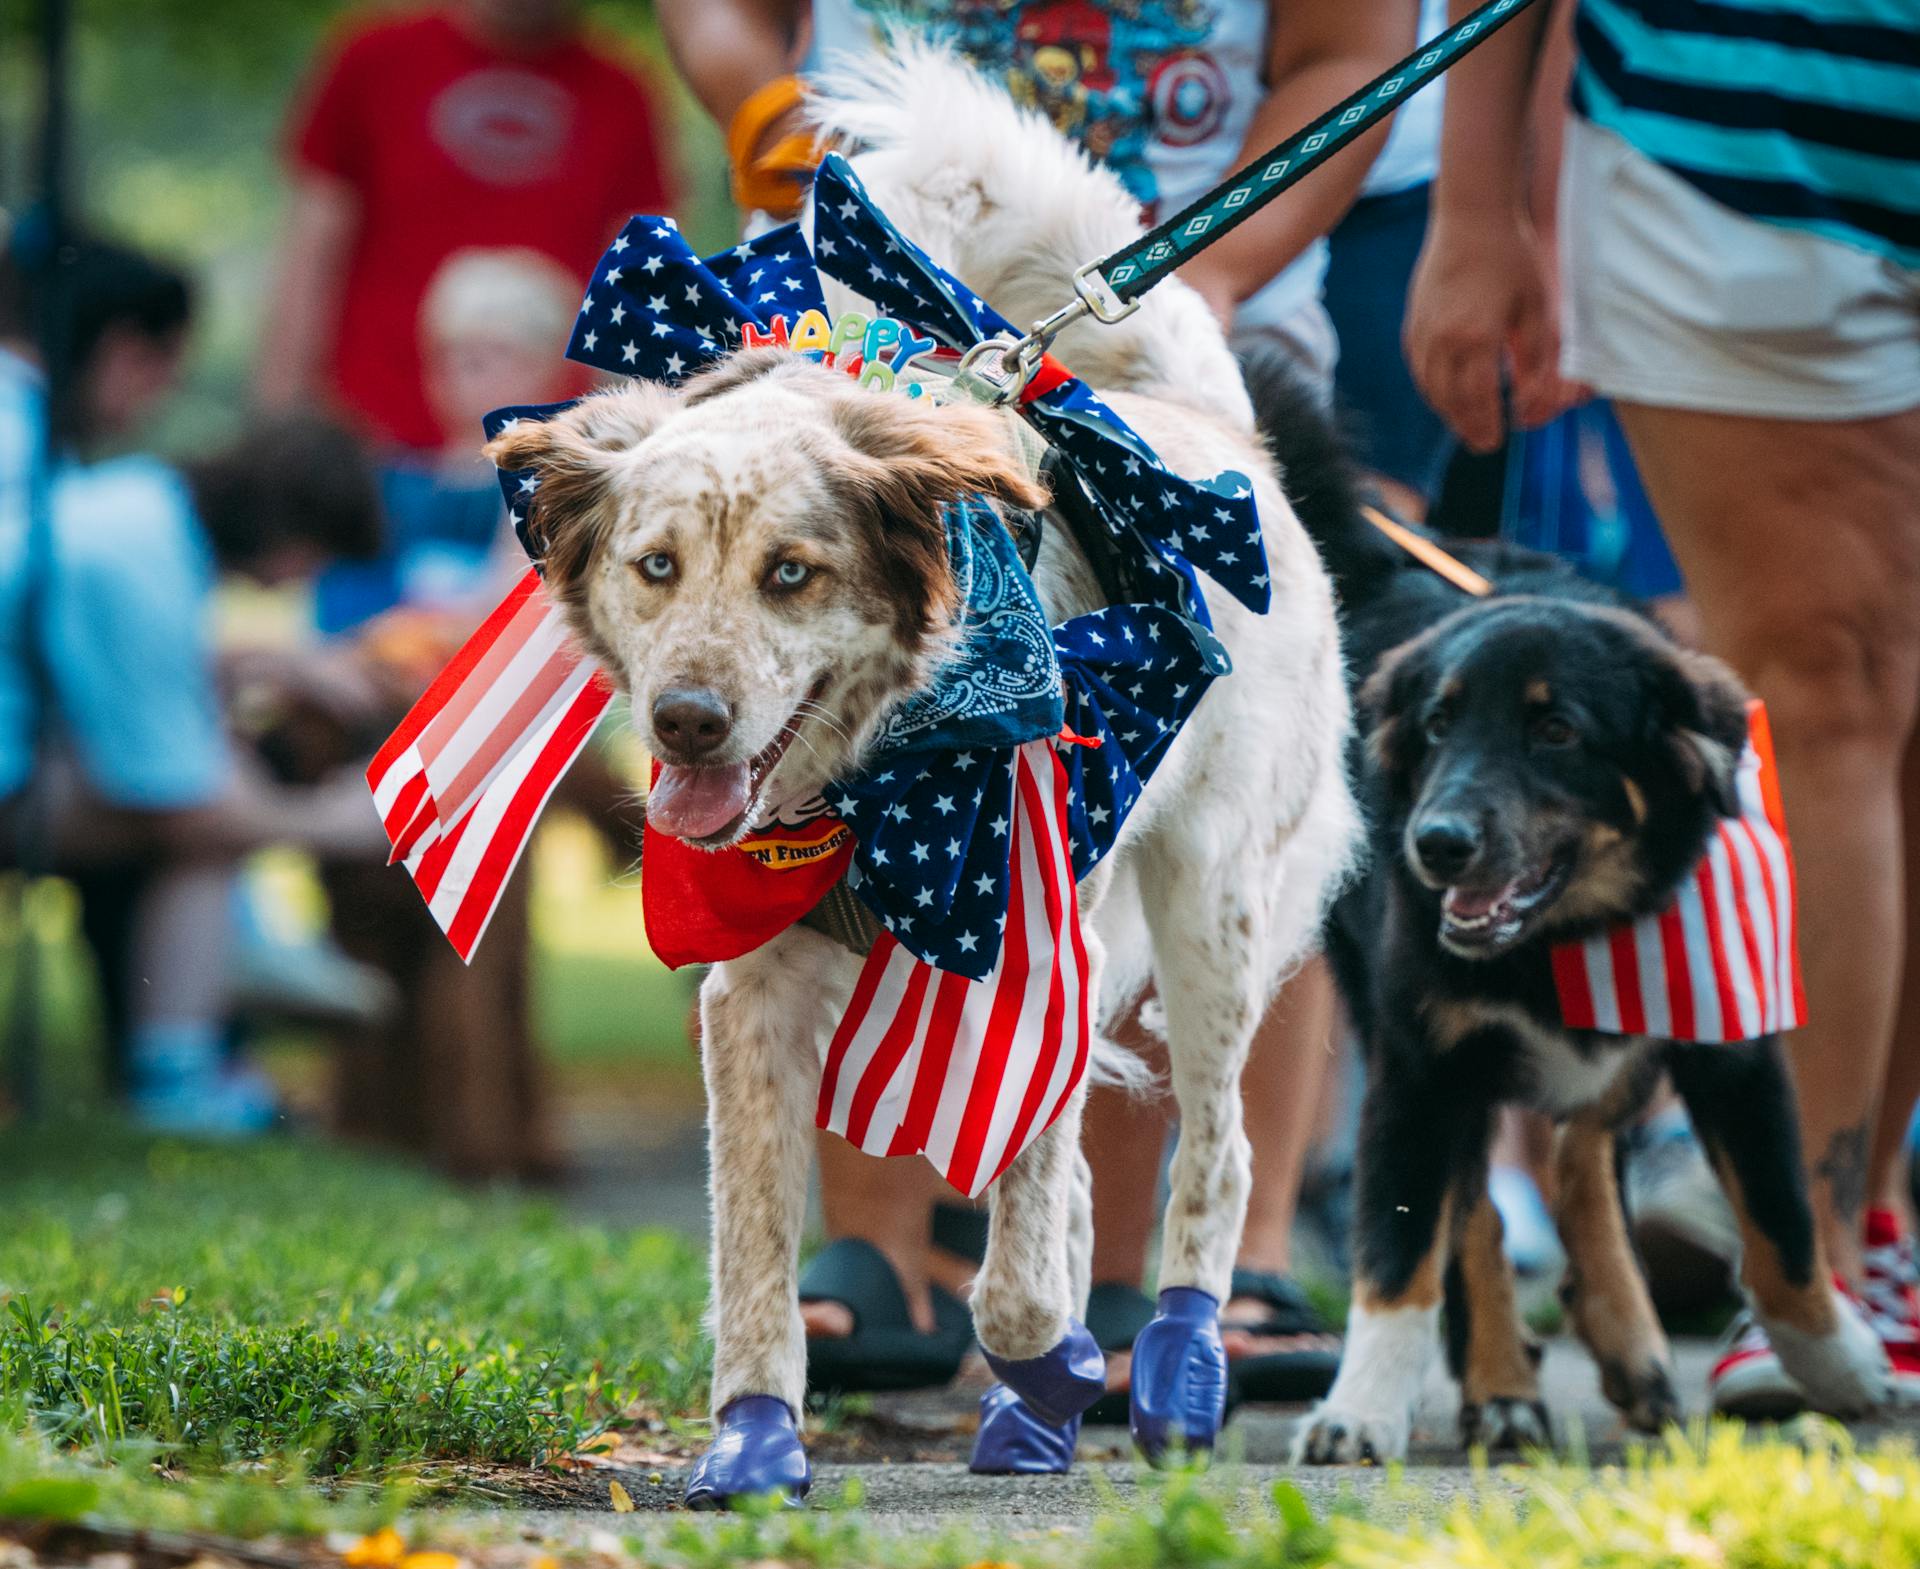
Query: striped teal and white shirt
{"points": [[1802, 112]]}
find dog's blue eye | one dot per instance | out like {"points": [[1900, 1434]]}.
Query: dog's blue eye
{"points": [[791, 574], [1439, 722], [656, 566]]}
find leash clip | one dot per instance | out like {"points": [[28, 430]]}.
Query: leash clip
{"points": [[1099, 298], [997, 370]]}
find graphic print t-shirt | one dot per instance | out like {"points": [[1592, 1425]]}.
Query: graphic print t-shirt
{"points": [[1162, 91]]}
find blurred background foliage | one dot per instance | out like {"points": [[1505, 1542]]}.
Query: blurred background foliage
{"points": [[178, 107]]}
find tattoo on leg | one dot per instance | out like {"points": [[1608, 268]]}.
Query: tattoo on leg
{"points": [[1844, 1169]]}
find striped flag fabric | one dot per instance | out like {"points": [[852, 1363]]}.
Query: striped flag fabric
{"points": [[970, 1072], [460, 784], [1720, 963]]}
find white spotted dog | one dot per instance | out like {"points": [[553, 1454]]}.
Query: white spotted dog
{"points": [[758, 561]]}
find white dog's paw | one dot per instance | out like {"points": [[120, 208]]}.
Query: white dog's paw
{"points": [[1844, 1373], [1333, 1434]]}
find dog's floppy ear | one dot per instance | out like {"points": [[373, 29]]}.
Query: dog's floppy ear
{"points": [[1387, 696], [905, 460], [570, 457], [1702, 709]]}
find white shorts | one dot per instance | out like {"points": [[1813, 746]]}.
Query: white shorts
{"points": [[1675, 300]]}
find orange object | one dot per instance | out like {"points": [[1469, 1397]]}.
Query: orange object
{"points": [[1428, 554], [771, 179]]}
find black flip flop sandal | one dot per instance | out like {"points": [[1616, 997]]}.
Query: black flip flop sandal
{"points": [[885, 1353], [1279, 1377], [1116, 1313]]}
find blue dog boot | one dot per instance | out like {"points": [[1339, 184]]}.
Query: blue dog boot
{"points": [[1179, 1378], [1012, 1441], [755, 1450], [1060, 1383]]}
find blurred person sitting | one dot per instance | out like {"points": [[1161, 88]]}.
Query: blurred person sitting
{"points": [[489, 328], [471, 123], [115, 761]]}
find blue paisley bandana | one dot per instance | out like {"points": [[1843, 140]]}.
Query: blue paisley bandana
{"points": [[932, 808]]}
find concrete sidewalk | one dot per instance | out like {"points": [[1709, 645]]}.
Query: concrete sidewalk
{"points": [[922, 1486]]}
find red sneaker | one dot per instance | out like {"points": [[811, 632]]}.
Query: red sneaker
{"points": [[1890, 1298], [1748, 1380]]}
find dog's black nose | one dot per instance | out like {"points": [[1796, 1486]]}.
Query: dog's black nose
{"points": [[1446, 846], [690, 722]]}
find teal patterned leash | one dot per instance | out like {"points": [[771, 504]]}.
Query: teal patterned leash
{"points": [[1136, 267]]}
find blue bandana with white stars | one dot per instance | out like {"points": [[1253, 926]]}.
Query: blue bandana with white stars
{"points": [[932, 809]]}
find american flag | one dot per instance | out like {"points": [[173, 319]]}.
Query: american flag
{"points": [[1720, 962], [970, 1072], [460, 784]]}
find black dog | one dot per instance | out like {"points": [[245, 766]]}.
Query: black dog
{"points": [[1537, 766]]}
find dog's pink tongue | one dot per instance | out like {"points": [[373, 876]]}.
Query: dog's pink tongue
{"points": [[691, 803], [1471, 906]]}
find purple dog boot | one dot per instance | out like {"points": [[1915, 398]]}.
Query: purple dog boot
{"points": [[755, 1450], [1012, 1441], [1179, 1378], [1059, 1383]]}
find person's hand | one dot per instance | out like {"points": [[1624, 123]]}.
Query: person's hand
{"points": [[1483, 307]]}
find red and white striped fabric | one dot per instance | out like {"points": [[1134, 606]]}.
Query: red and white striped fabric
{"points": [[969, 1073], [461, 783], [1720, 963]]}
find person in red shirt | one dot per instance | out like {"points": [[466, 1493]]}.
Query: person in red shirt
{"points": [[475, 123]]}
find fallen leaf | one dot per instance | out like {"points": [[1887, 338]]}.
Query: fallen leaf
{"points": [[430, 1561], [382, 1550], [622, 1499]]}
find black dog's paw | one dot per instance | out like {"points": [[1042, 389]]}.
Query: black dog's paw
{"points": [[1644, 1396], [1505, 1423]]}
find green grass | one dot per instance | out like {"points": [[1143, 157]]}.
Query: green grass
{"points": [[284, 1300], [1699, 1501]]}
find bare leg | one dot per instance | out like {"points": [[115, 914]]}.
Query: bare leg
{"points": [[1292, 1054], [1800, 542], [1286, 1068], [888, 1203], [1887, 1163], [1126, 1138], [181, 937]]}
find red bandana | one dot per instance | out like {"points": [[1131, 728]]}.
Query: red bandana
{"points": [[703, 906]]}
